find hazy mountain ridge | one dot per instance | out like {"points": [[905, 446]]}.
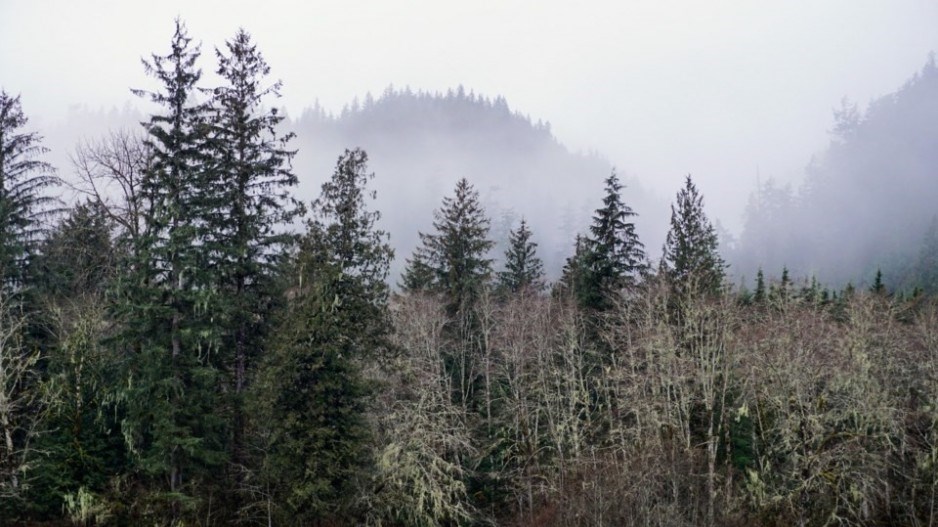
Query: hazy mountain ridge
{"points": [[866, 201], [419, 145]]}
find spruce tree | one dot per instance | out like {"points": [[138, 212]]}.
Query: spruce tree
{"points": [[456, 256], [311, 388], [171, 391], [23, 177], [251, 178], [523, 269], [615, 258], [457, 251], [691, 262]]}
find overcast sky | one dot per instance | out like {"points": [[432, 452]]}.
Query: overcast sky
{"points": [[662, 88]]}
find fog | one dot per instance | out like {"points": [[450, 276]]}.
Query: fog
{"points": [[734, 93]]}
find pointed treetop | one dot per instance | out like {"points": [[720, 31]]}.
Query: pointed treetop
{"points": [[691, 261], [523, 268]]}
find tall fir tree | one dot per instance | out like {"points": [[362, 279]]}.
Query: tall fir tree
{"points": [[457, 251], [251, 201], [456, 254], [171, 390], [523, 269], [691, 261], [23, 178], [336, 318], [615, 257]]}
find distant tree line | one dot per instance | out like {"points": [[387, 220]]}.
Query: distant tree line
{"points": [[867, 201], [173, 353]]}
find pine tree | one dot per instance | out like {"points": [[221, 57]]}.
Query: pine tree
{"points": [[250, 201], [23, 177], [615, 259], [523, 268], [172, 422], [691, 261], [337, 317]]}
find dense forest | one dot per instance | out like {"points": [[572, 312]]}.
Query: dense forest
{"points": [[191, 344]]}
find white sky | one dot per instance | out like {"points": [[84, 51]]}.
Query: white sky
{"points": [[663, 88]]}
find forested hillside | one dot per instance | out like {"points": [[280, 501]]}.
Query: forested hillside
{"points": [[194, 343], [422, 143], [867, 202]]}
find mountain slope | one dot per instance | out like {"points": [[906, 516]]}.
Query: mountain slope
{"points": [[419, 144]]}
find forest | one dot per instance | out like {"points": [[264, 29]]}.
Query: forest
{"points": [[189, 343]]}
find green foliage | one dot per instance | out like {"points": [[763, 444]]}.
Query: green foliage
{"points": [[248, 201], [614, 259], [311, 390], [23, 177], [78, 257], [691, 262], [456, 252], [523, 269], [171, 380]]}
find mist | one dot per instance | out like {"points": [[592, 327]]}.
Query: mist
{"points": [[536, 107]]}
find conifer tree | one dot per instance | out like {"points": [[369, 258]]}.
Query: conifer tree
{"points": [[759, 296], [456, 254], [574, 274], [523, 268], [78, 257], [691, 261], [615, 258], [336, 317], [418, 275], [23, 177], [457, 251], [250, 200], [171, 390], [878, 288]]}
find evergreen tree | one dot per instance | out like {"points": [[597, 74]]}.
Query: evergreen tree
{"points": [[172, 395], [523, 268], [615, 258], [456, 256], [23, 177], [574, 274], [337, 316], [759, 296], [457, 251], [79, 257], [691, 262], [418, 275], [878, 288], [251, 180]]}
